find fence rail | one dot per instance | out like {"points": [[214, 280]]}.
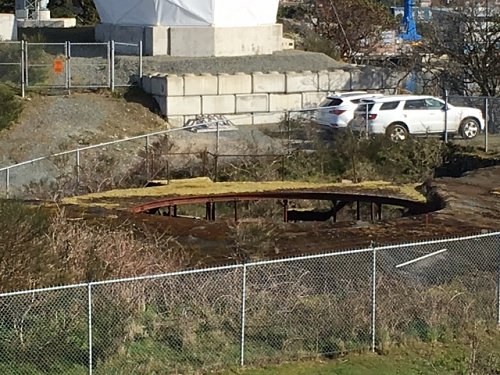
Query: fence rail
{"points": [[254, 313]]}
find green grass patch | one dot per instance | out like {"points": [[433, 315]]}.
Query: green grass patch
{"points": [[415, 359]]}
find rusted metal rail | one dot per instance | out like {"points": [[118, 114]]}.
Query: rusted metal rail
{"points": [[339, 200]]}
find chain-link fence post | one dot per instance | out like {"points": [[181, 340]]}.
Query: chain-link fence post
{"points": [[374, 295], [486, 122], [148, 169], [446, 99], [243, 316], [7, 183], [67, 62], [23, 59], [112, 66], [89, 311], [77, 166], [140, 61]]}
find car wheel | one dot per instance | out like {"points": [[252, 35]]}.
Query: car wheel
{"points": [[397, 132], [469, 128]]}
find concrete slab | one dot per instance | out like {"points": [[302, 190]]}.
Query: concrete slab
{"points": [[8, 27], [334, 80], [285, 102], [205, 84], [312, 99], [218, 104], [272, 82], [252, 103], [301, 81], [183, 105], [239, 83]]}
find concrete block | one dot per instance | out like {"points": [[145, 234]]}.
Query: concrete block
{"points": [[162, 103], [205, 84], [175, 85], [159, 85], [156, 40], [247, 40], [272, 82], [218, 104], [242, 119], [146, 83], [8, 27], [335, 80], [192, 41], [285, 102], [183, 105], [301, 81], [357, 81], [252, 103], [239, 83], [176, 121], [268, 118], [312, 99]]}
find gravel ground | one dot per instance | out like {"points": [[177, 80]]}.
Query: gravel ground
{"points": [[285, 61], [51, 124]]}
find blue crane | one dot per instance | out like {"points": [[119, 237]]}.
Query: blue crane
{"points": [[408, 25]]}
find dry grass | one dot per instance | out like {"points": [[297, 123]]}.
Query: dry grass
{"points": [[204, 186]]}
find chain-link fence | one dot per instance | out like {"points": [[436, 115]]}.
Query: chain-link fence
{"points": [[12, 63], [255, 313], [70, 65], [490, 106]]}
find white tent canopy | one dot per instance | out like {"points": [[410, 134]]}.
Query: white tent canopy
{"points": [[221, 13]]}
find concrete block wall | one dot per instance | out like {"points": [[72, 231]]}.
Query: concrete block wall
{"points": [[8, 27], [256, 98]]}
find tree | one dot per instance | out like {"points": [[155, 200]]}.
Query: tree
{"points": [[83, 10], [461, 48], [353, 26]]}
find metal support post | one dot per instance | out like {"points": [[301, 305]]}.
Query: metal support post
{"points": [[77, 168], [23, 57], [7, 183], [374, 296], [112, 65], [26, 64], [148, 172], [89, 307], [486, 123], [217, 139], [69, 63], [243, 314], [140, 60], [289, 136], [66, 64], [367, 119], [446, 116]]}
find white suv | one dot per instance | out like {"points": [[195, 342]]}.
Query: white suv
{"points": [[399, 116], [337, 110]]}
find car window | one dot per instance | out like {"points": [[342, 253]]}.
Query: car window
{"points": [[364, 105], [331, 102], [433, 104], [389, 105], [415, 104]]}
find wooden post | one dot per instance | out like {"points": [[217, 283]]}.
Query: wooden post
{"points": [[358, 213]]}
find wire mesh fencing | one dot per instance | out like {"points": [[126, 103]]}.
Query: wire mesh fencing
{"points": [[255, 313], [11, 63]]}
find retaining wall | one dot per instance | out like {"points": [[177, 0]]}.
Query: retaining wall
{"points": [[255, 98]]}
